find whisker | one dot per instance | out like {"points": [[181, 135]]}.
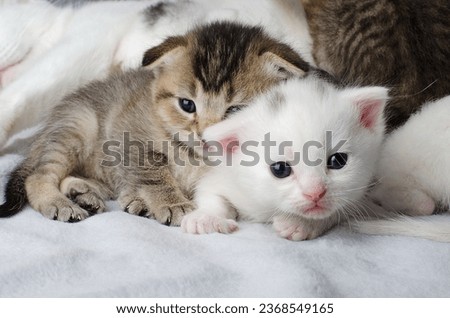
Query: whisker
{"points": [[418, 93]]}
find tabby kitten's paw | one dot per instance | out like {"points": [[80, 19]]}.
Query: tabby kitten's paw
{"points": [[89, 201], [84, 194], [199, 222], [166, 214], [64, 210], [137, 206], [173, 214]]}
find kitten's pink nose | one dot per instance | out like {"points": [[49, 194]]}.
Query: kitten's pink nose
{"points": [[316, 195]]}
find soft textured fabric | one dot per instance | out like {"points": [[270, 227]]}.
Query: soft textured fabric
{"points": [[119, 255]]}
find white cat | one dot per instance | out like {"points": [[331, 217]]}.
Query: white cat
{"points": [[48, 51], [336, 133], [414, 175]]}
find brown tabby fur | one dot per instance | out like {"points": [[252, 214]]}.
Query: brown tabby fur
{"points": [[402, 44], [218, 66]]}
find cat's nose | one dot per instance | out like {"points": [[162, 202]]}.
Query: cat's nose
{"points": [[316, 195]]}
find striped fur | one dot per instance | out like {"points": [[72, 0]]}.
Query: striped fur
{"points": [[400, 44]]}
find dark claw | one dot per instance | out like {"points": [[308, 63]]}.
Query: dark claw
{"points": [[143, 212], [127, 209], [92, 213], [73, 220], [87, 207], [91, 209], [169, 219]]}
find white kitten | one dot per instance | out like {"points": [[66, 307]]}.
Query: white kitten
{"points": [[305, 196], [414, 175], [47, 51]]}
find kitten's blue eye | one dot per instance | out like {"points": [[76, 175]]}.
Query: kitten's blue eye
{"points": [[281, 169], [187, 105], [337, 161]]}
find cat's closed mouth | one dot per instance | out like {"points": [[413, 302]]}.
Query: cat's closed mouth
{"points": [[316, 209]]}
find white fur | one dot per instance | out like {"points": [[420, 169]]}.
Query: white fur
{"points": [[431, 228], [46, 52], [414, 175], [310, 108], [73, 47]]}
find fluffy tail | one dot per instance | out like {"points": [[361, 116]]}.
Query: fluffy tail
{"points": [[15, 194], [436, 228]]}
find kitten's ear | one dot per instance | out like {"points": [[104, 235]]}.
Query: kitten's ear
{"points": [[164, 53], [282, 61], [226, 134], [370, 103]]}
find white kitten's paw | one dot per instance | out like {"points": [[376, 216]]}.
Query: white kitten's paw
{"points": [[291, 229], [201, 223]]}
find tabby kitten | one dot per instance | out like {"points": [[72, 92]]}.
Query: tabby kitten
{"points": [[401, 44], [105, 140]]}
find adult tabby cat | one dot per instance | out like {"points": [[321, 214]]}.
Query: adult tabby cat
{"points": [[187, 84], [400, 44]]}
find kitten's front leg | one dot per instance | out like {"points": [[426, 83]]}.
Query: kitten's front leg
{"points": [[153, 192], [296, 228], [212, 215]]}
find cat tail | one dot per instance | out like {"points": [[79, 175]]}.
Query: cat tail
{"points": [[15, 194], [431, 228]]}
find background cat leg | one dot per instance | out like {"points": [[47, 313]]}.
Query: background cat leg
{"points": [[22, 35], [48, 79], [212, 215], [89, 194], [155, 194], [297, 228], [14, 47]]}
